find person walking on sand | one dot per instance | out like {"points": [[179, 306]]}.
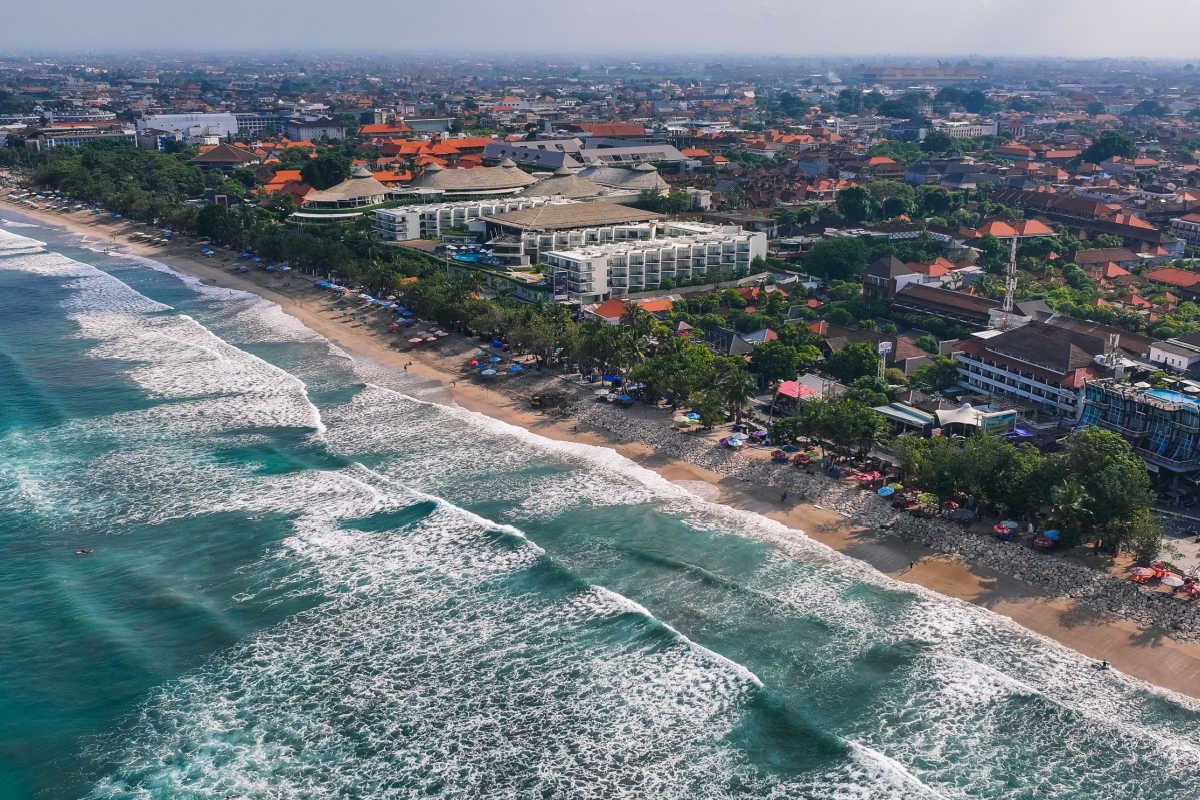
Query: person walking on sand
{"points": [[783, 497]]}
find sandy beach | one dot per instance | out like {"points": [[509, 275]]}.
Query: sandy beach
{"points": [[1148, 654]]}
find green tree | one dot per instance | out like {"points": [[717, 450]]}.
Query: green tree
{"points": [[837, 258], [855, 204], [937, 142], [1108, 144], [775, 361], [853, 362], [734, 385], [1112, 476], [325, 170]]}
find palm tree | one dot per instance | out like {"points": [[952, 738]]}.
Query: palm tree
{"points": [[735, 386]]}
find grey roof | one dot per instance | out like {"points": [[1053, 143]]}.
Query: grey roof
{"points": [[622, 178], [547, 154], [483, 179], [630, 155], [227, 154], [887, 268], [1047, 346], [557, 216]]}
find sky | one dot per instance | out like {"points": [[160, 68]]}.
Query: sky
{"points": [[1070, 28]]}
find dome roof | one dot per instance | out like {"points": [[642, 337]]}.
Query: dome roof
{"points": [[508, 162], [359, 171], [433, 166], [645, 167]]}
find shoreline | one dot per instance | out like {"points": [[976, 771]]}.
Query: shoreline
{"points": [[1146, 653]]}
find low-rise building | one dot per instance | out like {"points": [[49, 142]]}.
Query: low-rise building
{"points": [[518, 238], [1187, 228], [74, 135], [192, 126], [425, 221], [598, 271], [1040, 365], [1161, 425]]}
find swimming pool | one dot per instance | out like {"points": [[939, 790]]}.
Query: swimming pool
{"points": [[1173, 397]]}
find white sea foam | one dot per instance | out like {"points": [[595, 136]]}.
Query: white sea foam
{"points": [[414, 616]]}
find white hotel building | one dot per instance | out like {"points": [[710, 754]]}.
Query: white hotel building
{"points": [[685, 250], [430, 221]]}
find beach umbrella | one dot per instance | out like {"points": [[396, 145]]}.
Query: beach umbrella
{"points": [[473, 363], [394, 325], [1011, 523], [256, 259], [495, 360], [415, 340], [515, 368], [1142, 572], [1051, 534], [488, 372], [999, 529], [1172, 580], [245, 255], [497, 343], [624, 398], [406, 314], [886, 491]]}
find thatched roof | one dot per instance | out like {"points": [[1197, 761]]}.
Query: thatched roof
{"points": [[480, 179]]}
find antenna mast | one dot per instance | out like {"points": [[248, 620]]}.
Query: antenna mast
{"points": [[1010, 285]]}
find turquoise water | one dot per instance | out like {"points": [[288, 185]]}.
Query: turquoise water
{"points": [[1172, 397], [311, 579]]}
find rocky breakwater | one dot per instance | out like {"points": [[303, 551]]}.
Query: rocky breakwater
{"points": [[1047, 574]]}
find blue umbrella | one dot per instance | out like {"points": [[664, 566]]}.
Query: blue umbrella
{"points": [[515, 368], [495, 360], [488, 372], [323, 283], [407, 314], [886, 491], [497, 343], [245, 255], [256, 259], [1052, 535], [624, 398]]}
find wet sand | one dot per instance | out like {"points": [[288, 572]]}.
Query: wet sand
{"points": [[1148, 654]]}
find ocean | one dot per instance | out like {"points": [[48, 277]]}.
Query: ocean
{"points": [[312, 579]]}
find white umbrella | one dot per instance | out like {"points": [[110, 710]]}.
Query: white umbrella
{"points": [[1172, 580]]}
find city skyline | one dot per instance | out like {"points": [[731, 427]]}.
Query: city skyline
{"points": [[854, 28]]}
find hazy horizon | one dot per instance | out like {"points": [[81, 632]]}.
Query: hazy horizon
{"points": [[1071, 29]]}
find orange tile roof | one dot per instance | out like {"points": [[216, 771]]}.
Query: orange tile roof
{"points": [[996, 228], [654, 306], [610, 309], [1174, 277], [284, 175]]}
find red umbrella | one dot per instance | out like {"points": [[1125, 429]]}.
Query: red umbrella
{"points": [[473, 363], [1000, 528]]}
